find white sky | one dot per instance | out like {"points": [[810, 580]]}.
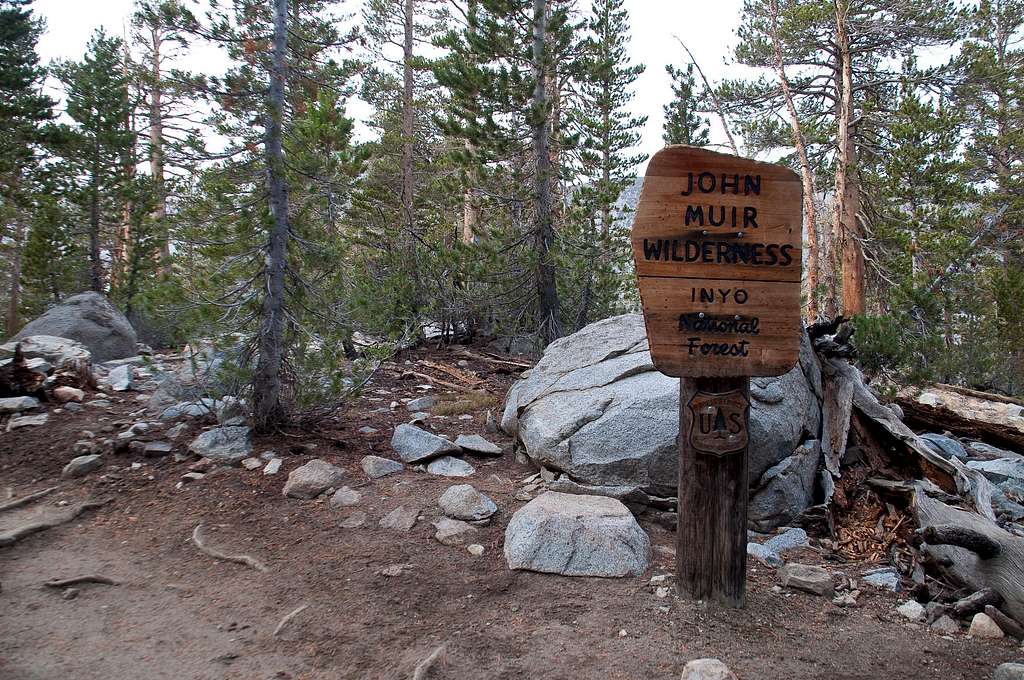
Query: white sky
{"points": [[708, 28]]}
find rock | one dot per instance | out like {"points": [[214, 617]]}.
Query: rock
{"points": [[366, 429], [27, 421], [252, 463], [988, 452], [192, 477], [223, 444], [87, 318], [354, 520], [420, 404], [464, 502], [61, 353], [944, 625], [231, 411], [785, 489], [982, 626], [765, 555], [64, 394], [120, 379], [808, 578], [200, 375], [912, 610], [18, 404], [81, 466], [177, 430], [787, 540], [418, 418], [595, 408], [72, 407], [448, 466], [272, 467], [157, 449], [344, 497], [475, 549], [477, 445], [947, 447], [490, 424], [886, 577], [559, 533], [453, 531], [312, 479], [1001, 469], [189, 409], [1009, 671], [376, 467], [706, 669], [414, 445], [400, 519]]}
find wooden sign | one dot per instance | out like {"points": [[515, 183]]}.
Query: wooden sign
{"points": [[717, 247]]}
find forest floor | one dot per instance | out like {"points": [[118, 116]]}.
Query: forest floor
{"points": [[177, 613]]}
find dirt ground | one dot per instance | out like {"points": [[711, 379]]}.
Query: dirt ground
{"points": [[176, 613]]}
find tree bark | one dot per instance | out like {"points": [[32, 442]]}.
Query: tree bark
{"points": [[156, 149], [471, 208], [95, 263], [806, 176], [14, 299], [407, 144], [847, 191], [548, 325], [268, 411]]}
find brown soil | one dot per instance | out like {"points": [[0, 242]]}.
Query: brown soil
{"points": [[177, 613]]}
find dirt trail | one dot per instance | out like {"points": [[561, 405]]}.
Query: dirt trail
{"points": [[177, 613]]}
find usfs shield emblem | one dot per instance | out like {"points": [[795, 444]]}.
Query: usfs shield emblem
{"points": [[718, 422]]}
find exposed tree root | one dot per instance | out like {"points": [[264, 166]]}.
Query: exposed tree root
{"points": [[288, 617], [75, 580], [423, 669], [16, 534], [25, 500], [197, 538]]}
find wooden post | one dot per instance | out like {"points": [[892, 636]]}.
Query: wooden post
{"points": [[711, 536]]}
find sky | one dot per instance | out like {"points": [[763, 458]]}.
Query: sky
{"points": [[707, 27]]}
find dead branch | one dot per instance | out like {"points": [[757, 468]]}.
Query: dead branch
{"points": [[197, 538], [443, 383], [1005, 622], [493, 360], [969, 539], [288, 617], [75, 580], [714, 97], [424, 666], [25, 500], [976, 602], [14, 535]]}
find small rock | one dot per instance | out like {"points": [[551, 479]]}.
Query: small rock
{"points": [[1009, 671], [203, 465], [765, 555], [84, 447], [706, 669], [447, 466], [273, 466], [945, 625], [192, 476], [354, 521], [453, 531], [64, 394], [366, 429], [414, 445], [421, 404], [269, 455], [466, 503], [808, 578], [462, 363], [418, 418], [982, 626], [475, 549], [661, 592], [310, 480], [252, 463], [156, 449], [27, 421], [17, 404], [490, 424], [177, 430], [81, 466], [69, 593], [376, 467], [477, 445], [787, 540], [400, 519], [72, 407], [887, 578], [224, 444], [120, 379], [659, 579], [231, 412], [344, 497], [911, 610]]}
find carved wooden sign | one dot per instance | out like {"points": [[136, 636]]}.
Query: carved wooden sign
{"points": [[717, 245], [718, 422]]}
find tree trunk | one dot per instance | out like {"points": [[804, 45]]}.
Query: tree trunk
{"points": [[95, 263], [14, 300], [156, 151], [847, 192], [548, 326], [407, 147], [268, 411], [470, 201], [806, 176]]}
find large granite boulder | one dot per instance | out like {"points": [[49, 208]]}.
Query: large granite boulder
{"points": [[595, 408], [46, 352], [90, 319]]}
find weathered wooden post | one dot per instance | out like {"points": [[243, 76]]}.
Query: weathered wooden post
{"points": [[717, 246]]}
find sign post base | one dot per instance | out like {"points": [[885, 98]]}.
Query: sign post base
{"points": [[711, 535]]}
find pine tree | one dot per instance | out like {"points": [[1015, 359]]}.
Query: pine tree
{"points": [[23, 112], [93, 150], [683, 123]]}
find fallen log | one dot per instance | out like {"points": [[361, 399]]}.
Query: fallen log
{"points": [[939, 419], [1000, 569], [976, 602], [18, 380]]}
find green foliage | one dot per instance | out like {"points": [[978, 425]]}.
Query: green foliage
{"points": [[683, 122]]}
